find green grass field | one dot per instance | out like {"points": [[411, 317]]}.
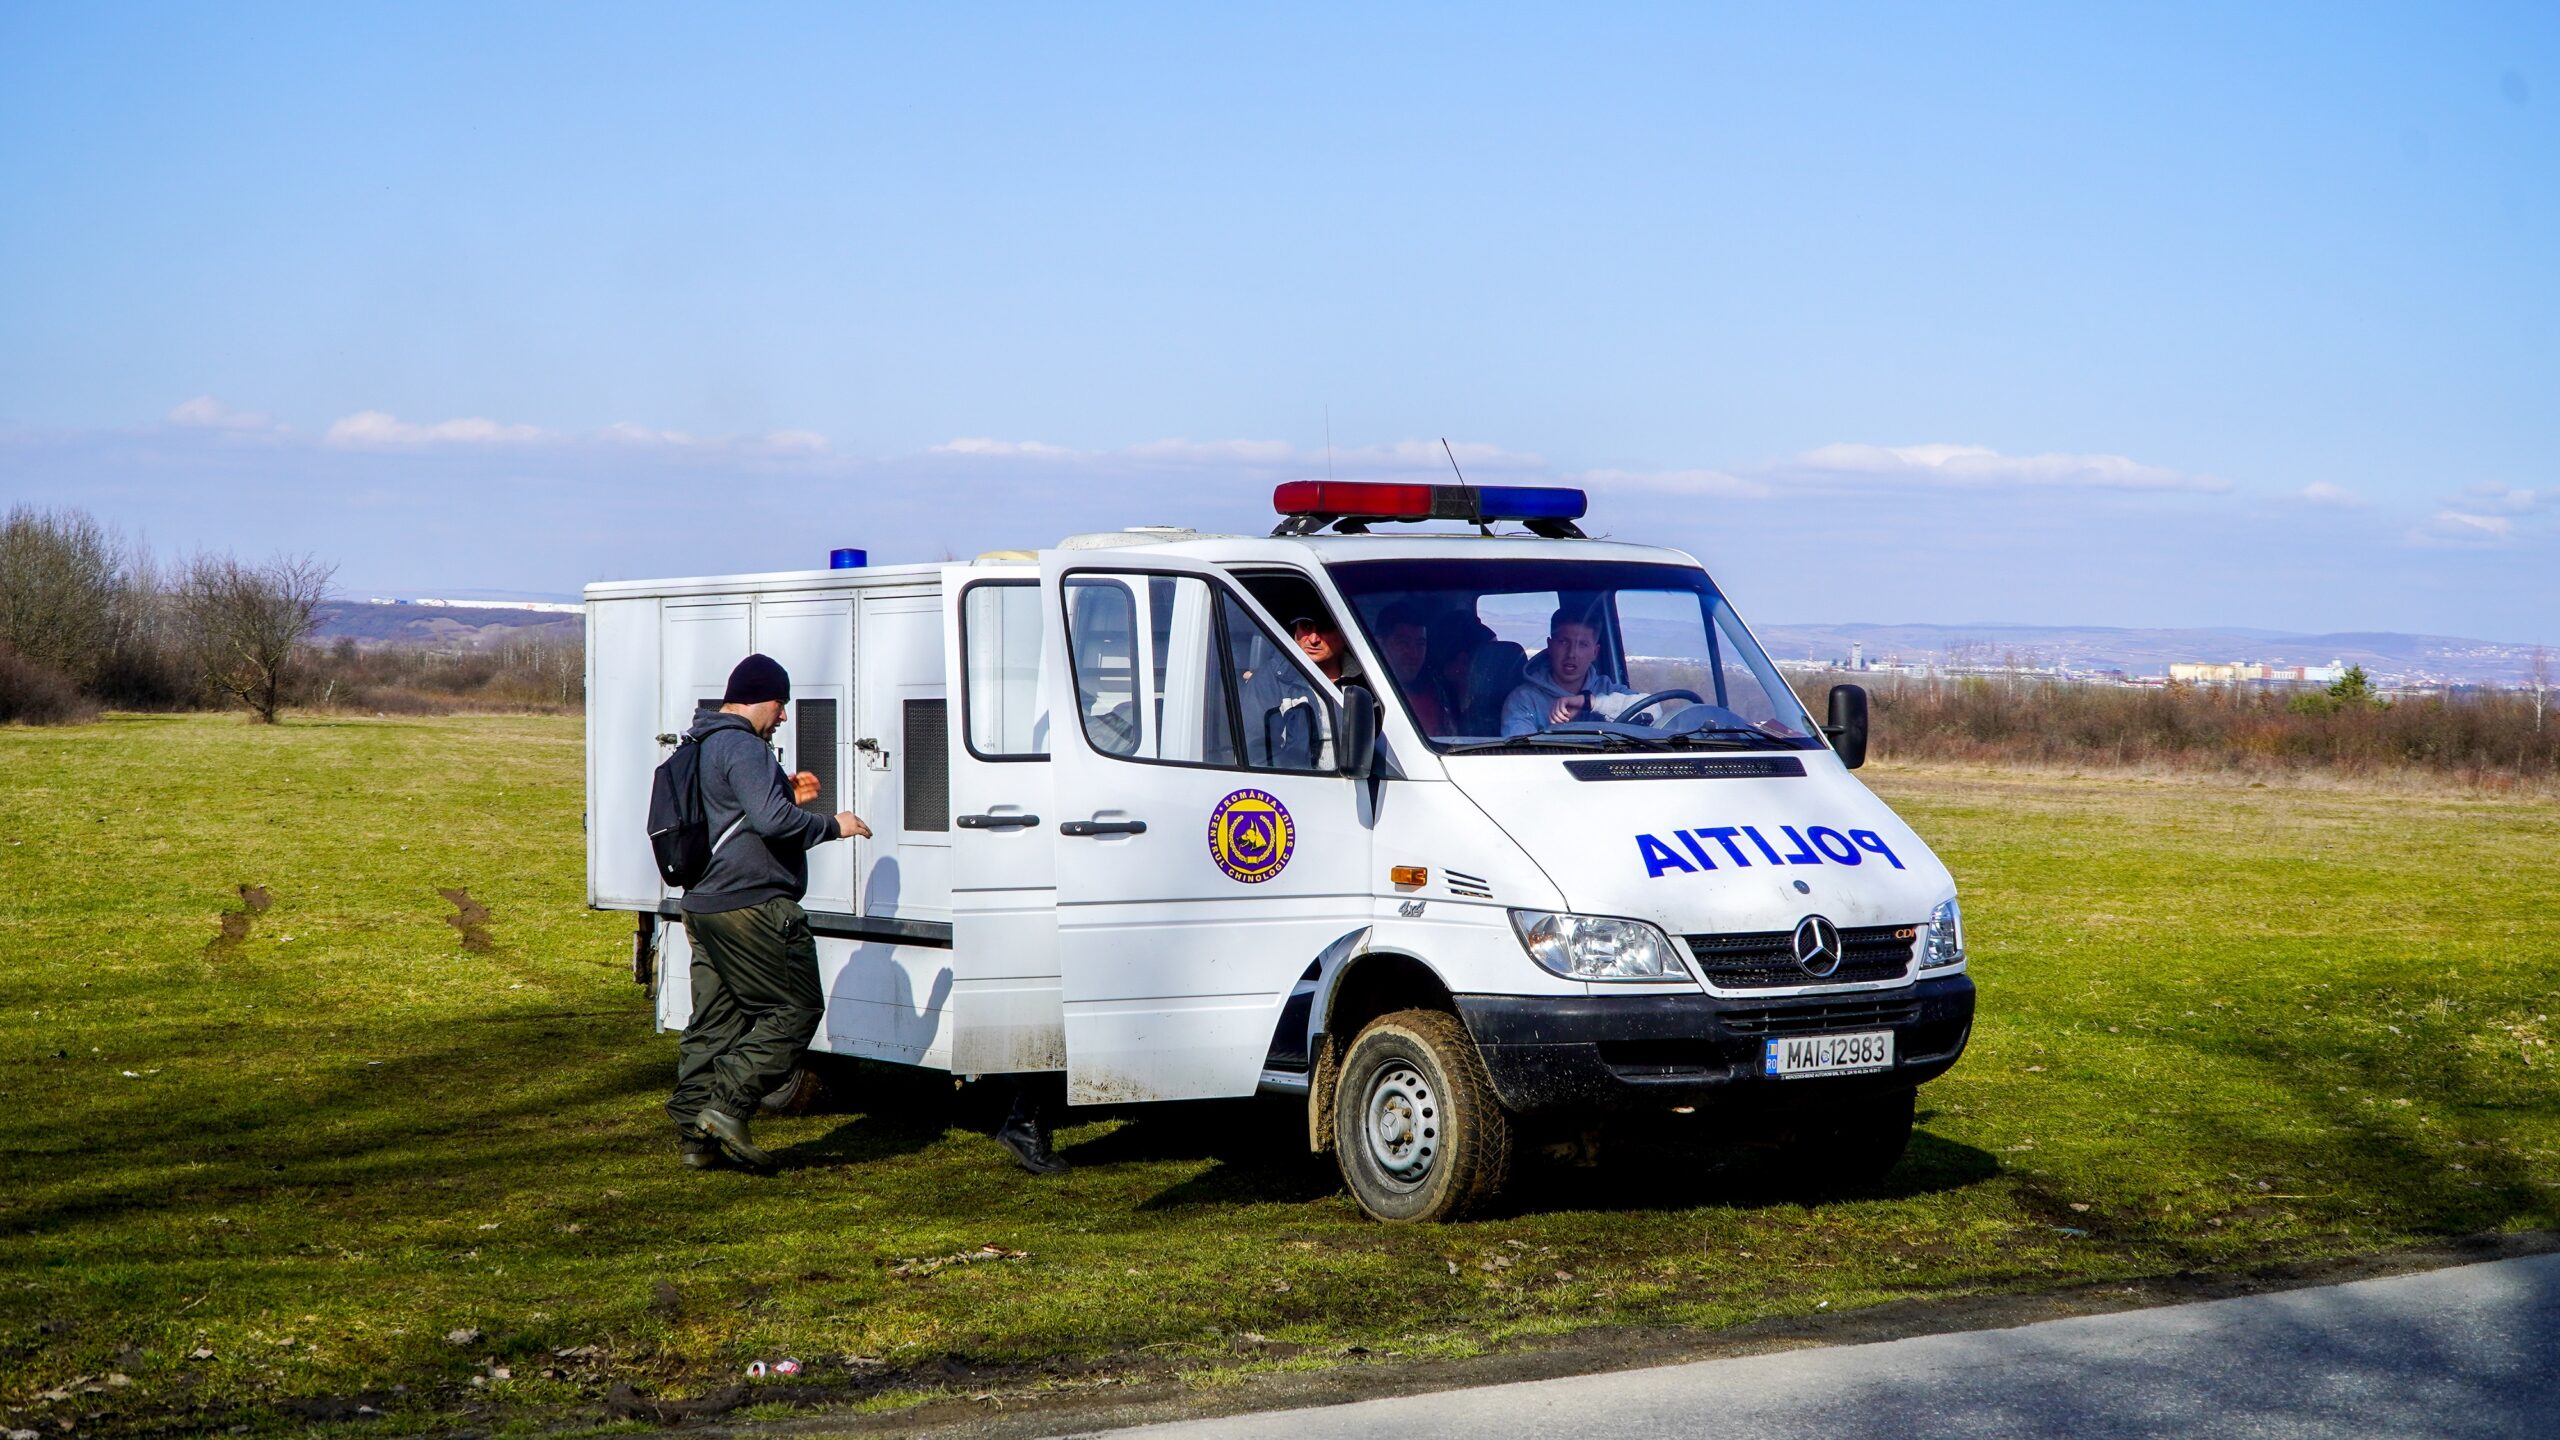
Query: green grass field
{"points": [[259, 1178]]}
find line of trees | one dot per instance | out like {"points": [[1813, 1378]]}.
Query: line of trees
{"points": [[2495, 738], [89, 621]]}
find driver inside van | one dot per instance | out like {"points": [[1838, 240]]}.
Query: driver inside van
{"points": [[1564, 682]]}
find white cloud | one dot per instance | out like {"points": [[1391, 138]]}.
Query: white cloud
{"points": [[1350, 463], [1978, 465], [206, 413], [2502, 499], [1212, 452], [378, 429], [2321, 492], [1427, 455], [623, 432], [980, 446], [777, 442], [2463, 529], [1674, 482]]}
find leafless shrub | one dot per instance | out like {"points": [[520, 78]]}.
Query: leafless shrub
{"points": [[545, 673], [33, 694], [245, 624], [2483, 737]]}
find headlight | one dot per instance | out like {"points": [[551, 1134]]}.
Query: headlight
{"points": [[1945, 945], [1594, 947]]}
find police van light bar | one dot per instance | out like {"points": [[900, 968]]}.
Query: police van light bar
{"points": [[1309, 504]]}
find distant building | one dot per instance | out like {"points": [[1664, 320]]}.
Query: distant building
{"points": [[2256, 672]]}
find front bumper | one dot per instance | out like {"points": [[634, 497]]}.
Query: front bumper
{"points": [[1614, 1051]]}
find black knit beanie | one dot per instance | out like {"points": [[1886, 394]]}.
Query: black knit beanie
{"points": [[756, 680]]}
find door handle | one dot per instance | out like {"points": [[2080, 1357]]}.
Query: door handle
{"points": [[997, 822], [1103, 827]]}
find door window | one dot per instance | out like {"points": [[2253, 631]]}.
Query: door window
{"points": [[1000, 664], [1284, 720], [1171, 668]]}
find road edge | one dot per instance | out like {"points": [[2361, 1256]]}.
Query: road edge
{"points": [[1035, 1413]]}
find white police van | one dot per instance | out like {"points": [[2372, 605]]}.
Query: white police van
{"points": [[1124, 828]]}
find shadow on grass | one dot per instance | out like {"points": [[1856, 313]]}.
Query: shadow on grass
{"points": [[1259, 1146], [1681, 1163], [1261, 1155], [893, 1110]]}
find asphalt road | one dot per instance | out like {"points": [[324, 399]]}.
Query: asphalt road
{"points": [[2469, 1351]]}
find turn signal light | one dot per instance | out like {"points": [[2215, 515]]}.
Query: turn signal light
{"points": [[1410, 875]]}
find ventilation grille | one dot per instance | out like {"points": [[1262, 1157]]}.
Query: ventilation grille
{"points": [[1824, 1015], [1766, 959], [817, 750], [927, 797]]}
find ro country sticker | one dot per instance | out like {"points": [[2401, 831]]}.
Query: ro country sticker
{"points": [[1251, 837]]}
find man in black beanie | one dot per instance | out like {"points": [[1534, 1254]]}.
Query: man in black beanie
{"points": [[755, 966]]}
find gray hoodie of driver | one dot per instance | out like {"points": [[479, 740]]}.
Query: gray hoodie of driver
{"points": [[1525, 709]]}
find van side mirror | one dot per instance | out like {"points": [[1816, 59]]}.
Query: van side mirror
{"points": [[1848, 727], [1355, 740]]}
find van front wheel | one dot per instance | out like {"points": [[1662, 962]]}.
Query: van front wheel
{"points": [[1417, 1127]]}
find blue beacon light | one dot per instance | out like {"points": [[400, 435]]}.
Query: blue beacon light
{"points": [[847, 559], [1530, 502]]}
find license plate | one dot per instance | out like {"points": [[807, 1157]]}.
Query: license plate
{"points": [[1800, 1055]]}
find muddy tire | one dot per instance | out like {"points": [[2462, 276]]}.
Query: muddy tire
{"points": [[1418, 1130], [1856, 1146]]}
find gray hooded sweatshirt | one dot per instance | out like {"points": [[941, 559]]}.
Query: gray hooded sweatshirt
{"points": [[1524, 710], [746, 797]]}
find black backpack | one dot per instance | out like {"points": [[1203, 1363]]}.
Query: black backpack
{"points": [[679, 830]]}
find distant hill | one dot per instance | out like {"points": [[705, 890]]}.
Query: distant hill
{"points": [[477, 624], [2428, 658], [444, 627]]}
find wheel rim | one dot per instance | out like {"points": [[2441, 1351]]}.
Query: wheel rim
{"points": [[1402, 1118]]}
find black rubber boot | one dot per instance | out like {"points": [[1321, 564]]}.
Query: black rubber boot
{"points": [[1025, 1132], [697, 1150], [734, 1140]]}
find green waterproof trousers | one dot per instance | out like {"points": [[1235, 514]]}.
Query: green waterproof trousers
{"points": [[755, 1004]]}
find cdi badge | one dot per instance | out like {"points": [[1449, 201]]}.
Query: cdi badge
{"points": [[1250, 836]]}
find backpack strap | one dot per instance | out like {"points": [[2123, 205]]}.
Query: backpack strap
{"points": [[704, 750]]}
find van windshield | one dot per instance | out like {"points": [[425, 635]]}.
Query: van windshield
{"points": [[1529, 655]]}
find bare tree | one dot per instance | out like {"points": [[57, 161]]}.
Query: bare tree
{"points": [[2538, 679], [245, 623], [60, 573]]}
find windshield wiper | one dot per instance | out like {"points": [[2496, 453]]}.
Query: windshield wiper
{"points": [[1556, 739], [1751, 732]]}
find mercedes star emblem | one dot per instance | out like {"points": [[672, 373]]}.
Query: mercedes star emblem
{"points": [[1818, 948]]}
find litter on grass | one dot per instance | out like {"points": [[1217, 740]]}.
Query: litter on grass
{"points": [[965, 1257]]}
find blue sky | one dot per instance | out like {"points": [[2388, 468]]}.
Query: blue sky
{"points": [[2109, 316]]}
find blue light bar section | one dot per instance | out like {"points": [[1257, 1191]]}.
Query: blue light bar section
{"points": [[856, 559], [1530, 502]]}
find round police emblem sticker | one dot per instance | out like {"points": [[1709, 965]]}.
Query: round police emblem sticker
{"points": [[1250, 836]]}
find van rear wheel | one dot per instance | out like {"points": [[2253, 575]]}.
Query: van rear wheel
{"points": [[1418, 1129]]}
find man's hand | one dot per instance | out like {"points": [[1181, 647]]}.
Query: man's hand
{"points": [[804, 788], [1566, 708], [850, 826]]}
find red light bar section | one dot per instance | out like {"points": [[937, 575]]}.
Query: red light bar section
{"points": [[1353, 497]]}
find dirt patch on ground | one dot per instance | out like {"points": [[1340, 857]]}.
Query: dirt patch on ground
{"points": [[234, 924], [472, 919], [1106, 1396]]}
